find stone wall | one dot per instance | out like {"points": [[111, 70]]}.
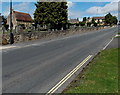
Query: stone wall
{"points": [[26, 36]]}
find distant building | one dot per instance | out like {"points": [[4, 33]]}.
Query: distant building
{"points": [[100, 20], [73, 21], [20, 18]]}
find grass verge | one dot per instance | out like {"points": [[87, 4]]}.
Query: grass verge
{"points": [[118, 37], [101, 76]]}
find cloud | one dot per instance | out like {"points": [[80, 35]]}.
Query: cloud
{"points": [[111, 7], [70, 4], [6, 12], [22, 7], [74, 14], [117, 15]]}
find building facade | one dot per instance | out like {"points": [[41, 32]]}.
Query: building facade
{"points": [[99, 20], [20, 18]]}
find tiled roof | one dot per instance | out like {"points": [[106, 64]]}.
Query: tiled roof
{"points": [[99, 17], [22, 16]]}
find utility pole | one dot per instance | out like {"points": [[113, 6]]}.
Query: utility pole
{"points": [[11, 24]]}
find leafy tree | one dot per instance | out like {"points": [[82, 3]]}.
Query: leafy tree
{"points": [[114, 20], [93, 21], [82, 23], [89, 24], [109, 19], [77, 24], [4, 20], [98, 21], [95, 24], [88, 17], [84, 19], [52, 14]]}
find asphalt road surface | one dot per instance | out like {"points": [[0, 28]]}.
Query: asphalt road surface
{"points": [[39, 67]]}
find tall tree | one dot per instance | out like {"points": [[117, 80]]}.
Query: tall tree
{"points": [[4, 20], [93, 21], [114, 20], [52, 14], [84, 19], [109, 19]]}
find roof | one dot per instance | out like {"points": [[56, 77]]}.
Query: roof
{"points": [[73, 21], [20, 16], [99, 17]]}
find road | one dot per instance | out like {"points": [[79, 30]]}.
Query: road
{"points": [[39, 67]]}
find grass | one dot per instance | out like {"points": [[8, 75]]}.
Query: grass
{"points": [[101, 76], [118, 37], [118, 33]]}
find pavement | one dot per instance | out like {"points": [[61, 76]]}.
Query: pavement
{"points": [[114, 43], [49, 66]]}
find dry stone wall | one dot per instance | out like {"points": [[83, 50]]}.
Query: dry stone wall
{"points": [[27, 36]]}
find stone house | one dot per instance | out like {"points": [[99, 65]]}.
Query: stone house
{"points": [[100, 20], [20, 18]]}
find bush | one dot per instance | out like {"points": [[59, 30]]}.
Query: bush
{"points": [[6, 27], [95, 24], [22, 25], [89, 24], [82, 23]]}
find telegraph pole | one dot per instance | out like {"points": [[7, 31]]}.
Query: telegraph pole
{"points": [[11, 24]]}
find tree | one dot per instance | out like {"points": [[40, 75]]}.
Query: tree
{"points": [[52, 14], [93, 21], [82, 23], [95, 24], [84, 19], [4, 22], [88, 17], [114, 20], [98, 21], [109, 19], [89, 24]]}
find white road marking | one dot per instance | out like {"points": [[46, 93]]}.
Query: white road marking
{"points": [[68, 76], [6, 47], [108, 44]]}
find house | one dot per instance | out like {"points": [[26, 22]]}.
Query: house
{"points": [[20, 18], [99, 20], [74, 21]]}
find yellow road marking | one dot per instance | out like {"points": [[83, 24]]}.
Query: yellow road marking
{"points": [[68, 76]]}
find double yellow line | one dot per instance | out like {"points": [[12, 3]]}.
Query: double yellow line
{"points": [[68, 76]]}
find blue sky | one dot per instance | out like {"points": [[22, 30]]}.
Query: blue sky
{"points": [[75, 10]]}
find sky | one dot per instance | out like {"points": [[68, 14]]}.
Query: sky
{"points": [[76, 9]]}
